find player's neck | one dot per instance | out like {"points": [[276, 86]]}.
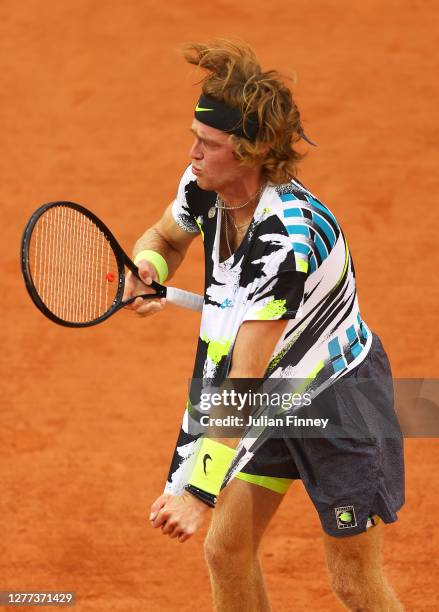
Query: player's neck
{"points": [[241, 198]]}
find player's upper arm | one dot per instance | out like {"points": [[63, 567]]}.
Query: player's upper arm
{"points": [[254, 346], [176, 237]]}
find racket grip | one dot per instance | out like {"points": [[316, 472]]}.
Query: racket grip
{"points": [[184, 299]]}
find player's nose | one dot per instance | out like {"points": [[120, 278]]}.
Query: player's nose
{"points": [[196, 151]]}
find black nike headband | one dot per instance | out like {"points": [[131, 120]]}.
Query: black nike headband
{"points": [[226, 118], [229, 119]]}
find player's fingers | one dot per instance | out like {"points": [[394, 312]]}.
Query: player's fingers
{"points": [[147, 307], [130, 286], [169, 526], [160, 518], [147, 272], [134, 286], [158, 505], [176, 532], [183, 537]]}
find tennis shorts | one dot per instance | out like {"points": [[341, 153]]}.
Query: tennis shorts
{"points": [[349, 479]]}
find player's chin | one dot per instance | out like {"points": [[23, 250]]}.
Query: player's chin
{"points": [[204, 183]]}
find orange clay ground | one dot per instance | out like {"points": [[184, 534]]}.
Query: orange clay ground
{"points": [[95, 107]]}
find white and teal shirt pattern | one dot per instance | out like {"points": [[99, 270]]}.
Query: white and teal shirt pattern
{"points": [[293, 264]]}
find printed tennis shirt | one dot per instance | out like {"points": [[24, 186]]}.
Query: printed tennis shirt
{"points": [[293, 264]]}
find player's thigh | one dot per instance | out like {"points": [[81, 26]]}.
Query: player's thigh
{"points": [[356, 557], [243, 513]]}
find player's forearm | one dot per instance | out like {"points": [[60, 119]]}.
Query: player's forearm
{"points": [[153, 240], [249, 380], [230, 442]]}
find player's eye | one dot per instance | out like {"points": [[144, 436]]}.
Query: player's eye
{"points": [[211, 145]]}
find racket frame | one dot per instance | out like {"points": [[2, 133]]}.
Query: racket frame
{"points": [[121, 257]]}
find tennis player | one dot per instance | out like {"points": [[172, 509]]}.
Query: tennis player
{"points": [[280, 302]]}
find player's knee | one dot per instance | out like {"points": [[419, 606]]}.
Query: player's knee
{"points": [[226, 554], [349, 592]]}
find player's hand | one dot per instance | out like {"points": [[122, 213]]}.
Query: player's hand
{"points": [[178, 516], [133, 286]]}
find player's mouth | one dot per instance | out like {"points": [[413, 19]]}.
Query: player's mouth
{"points": [[196, 171]]}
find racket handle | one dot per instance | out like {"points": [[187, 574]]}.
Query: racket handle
{"points": [[184, 299]]}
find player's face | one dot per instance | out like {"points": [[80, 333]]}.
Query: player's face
{"points": [[212, 157]]}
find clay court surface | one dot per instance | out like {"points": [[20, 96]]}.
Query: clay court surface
{"points": [[95, 107]]}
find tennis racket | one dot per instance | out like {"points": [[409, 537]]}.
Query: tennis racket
{"points": [[74, 268]]}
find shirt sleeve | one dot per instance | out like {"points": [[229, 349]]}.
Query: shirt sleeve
{"points": [[181, 209]]}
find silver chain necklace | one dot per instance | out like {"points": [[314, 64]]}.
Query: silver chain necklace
{"points": [[238, 227], [220, 204]]}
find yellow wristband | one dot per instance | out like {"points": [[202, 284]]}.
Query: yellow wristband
{"points": [[211, 466], [157, 260]]}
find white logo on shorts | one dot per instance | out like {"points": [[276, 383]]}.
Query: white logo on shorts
{"points": [[345, 516]]}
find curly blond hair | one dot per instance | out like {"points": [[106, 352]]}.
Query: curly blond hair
{"points": [[234, 77]]}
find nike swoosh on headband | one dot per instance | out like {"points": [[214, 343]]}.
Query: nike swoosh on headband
{"points": [[199, 109]]}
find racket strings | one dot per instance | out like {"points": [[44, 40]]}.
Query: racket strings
{"points": [[72, 265]]}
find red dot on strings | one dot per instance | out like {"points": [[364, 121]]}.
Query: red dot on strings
{"points": [[110, 277]]}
